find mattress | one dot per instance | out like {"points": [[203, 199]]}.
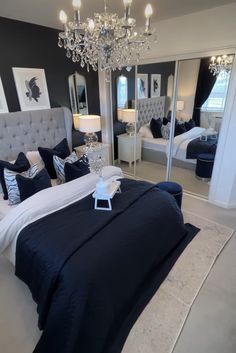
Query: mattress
{"points": [[159, 144]]}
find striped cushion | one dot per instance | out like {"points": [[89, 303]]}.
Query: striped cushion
{"points": [[59, 165], [11, 183]]}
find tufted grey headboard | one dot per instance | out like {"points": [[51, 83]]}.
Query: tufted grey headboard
{"points": [[26, 131], [149, 108]]}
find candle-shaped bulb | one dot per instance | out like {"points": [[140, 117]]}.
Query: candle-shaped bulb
{"points": [[91, 25], [63, 17], [127, 3], [148, 11], [76, 4]]}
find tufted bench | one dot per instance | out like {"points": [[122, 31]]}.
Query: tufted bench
{"points": [[204, 166]]}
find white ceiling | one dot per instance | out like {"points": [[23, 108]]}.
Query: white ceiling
{"points": [[45, 12]]}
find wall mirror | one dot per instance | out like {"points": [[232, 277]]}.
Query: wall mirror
{"points": [[202, 88], [154, 101], [78, 94], [123, 99]]}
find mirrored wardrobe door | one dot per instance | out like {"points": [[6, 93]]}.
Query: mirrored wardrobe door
{"points": [[202, 87], [154, 84], [123, 99]]}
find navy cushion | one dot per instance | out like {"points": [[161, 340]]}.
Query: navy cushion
{"points": [[165, 121], [190, 124], [76, 170], [172, 188], [179, 129], [21, 165], [61, 150], [29, 187], [155, 127]]}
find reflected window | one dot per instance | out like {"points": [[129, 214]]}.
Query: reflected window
{"points": [[217, 97], [122, 92]]}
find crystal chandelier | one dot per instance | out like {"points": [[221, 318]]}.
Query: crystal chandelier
{"points": [[221, 64], [106, 42]]}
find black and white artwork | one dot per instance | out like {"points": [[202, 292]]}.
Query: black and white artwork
{"points": [[31, 88], [3, 102], [142, 88], [155, 85]]}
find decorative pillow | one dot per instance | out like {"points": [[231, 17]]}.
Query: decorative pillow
{"points": [[11, 183], [21, 165], [165, 131], [76, 170], [30, 186], [165, 121], [180, 129], [59, 165], [155, 127], [35, 158], [190, 124], [145, 131], [61, 150]]}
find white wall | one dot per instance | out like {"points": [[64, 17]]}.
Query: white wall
{"points": [[201, 31], [187, 83]]}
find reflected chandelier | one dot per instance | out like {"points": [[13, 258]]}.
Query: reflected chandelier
{"points": [[106, 42], [221, 64]]}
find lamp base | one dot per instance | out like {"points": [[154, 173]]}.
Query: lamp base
{"points": [[90, 139], [130, 129]]}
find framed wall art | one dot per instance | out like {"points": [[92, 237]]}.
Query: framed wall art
{"points": [[155, 85], [142, 86], [3, 102], [31, 88]]}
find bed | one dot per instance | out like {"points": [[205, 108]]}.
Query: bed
{"points": [[91, 273], [155, 149]]}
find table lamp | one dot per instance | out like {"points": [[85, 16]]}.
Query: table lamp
{"points": [[90, 124], [129, 116], [179, 107]]}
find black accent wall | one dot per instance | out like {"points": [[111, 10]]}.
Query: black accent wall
{"points": [[164, 69], [33, 46]]}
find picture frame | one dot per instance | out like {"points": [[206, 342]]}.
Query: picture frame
{"points": [[142, 86], [31, 86], [3, 101], [155, 85]]}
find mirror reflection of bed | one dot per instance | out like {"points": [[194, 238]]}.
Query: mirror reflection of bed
{"points": [[200, 102]]}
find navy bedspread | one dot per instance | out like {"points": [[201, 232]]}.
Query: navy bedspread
{"points": [[91, 272], [197, 146]]}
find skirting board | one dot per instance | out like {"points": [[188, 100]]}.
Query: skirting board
{"points": [[152, 156], [223, 204]]}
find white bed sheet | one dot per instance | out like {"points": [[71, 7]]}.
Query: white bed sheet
{"points": [[44, 203], [5, 208], [159, 144], [179, 146]]}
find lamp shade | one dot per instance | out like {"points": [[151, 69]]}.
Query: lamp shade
{"points": [[180, 105], [76, 121], [129, 115], [88, 123]]}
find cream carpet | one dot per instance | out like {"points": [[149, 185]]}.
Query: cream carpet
{"points": [[159, 326]]}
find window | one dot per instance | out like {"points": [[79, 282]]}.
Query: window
{"points": [[216, 100], [122, 92]]}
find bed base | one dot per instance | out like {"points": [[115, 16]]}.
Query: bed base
{"points": [[158, 157]]}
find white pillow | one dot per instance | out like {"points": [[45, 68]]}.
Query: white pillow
{"points": [[11, 183], [145, 131], [35, 158], [59, 165]]}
